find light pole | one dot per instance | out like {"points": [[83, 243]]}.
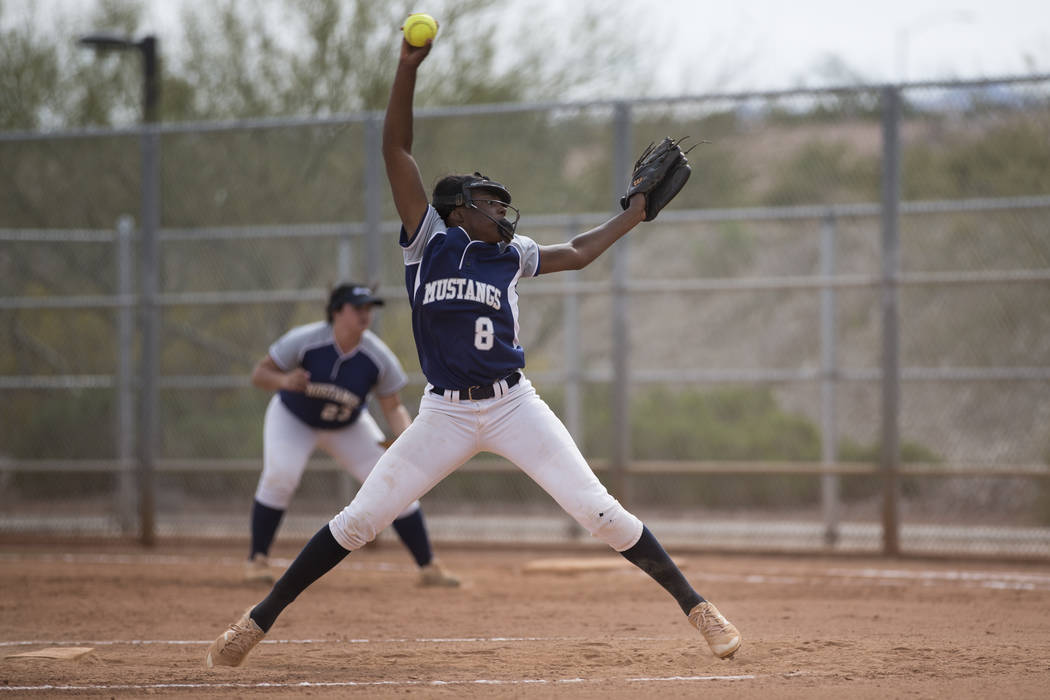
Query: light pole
{"points": [[903, 36], [150, 223]]}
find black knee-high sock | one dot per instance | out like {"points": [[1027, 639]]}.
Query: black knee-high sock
{"points": [[649, 556], [413, 532], [265, 521], [316, 559]]}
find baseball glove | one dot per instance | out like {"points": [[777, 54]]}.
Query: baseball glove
{"points": [[660, 173]]}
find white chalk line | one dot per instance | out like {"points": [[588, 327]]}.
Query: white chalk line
{"points": [[178, 560], [393, 640], [368, 684], [985, 580], [868, 577]]}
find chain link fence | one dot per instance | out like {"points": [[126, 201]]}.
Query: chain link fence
{"points": [[836, 339]]}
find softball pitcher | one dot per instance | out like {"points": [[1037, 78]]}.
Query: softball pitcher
{"points": [[463, 262], [321, 374]]}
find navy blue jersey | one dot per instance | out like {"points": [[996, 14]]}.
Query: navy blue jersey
{"points": [[339, 383], [465, 302]]}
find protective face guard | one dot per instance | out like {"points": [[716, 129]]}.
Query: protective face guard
{"points": [[465, 198]]}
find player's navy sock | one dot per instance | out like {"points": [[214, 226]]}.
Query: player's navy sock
{"points": [[265, 521], [649, 556], [318, 557], [413, 532]]}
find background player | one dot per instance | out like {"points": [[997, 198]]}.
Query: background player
{"points": [[322, 374], [463, 262]]}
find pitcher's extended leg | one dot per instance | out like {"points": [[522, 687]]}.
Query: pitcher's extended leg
{"points": [[316, 559]]}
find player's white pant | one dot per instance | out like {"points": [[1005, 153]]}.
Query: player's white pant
{"points": [[519, 426], [288, 443]]}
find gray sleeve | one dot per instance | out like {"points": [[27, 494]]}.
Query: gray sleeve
{"points": [[288, 350], [392, 377], [430, 225], [530, 255]]}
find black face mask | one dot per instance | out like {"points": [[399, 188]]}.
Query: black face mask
{"points": [[506, 226]]}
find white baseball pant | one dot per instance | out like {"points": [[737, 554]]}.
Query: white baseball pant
{"points": [[517, 425]]}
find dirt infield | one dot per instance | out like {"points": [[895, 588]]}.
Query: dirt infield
{"points": [[813, 628]]}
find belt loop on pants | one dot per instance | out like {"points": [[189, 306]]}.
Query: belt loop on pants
{"points": [[479, 392]]}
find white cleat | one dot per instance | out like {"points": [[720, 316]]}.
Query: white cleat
{"points": [[434, 574], [722, 635], [233, 645], [257, 569]]}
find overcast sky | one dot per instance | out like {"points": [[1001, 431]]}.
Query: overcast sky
{"points": [[783, 43], [700, 45]]}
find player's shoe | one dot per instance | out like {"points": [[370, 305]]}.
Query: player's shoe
{"points": [[722, 635], [257, 569], [434, 574], [233, 645]]}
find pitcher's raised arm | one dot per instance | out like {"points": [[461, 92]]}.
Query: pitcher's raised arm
{"points": [[406, 183]]}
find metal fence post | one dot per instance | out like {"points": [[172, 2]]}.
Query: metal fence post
{"points": [[621, 349], [150, 323], [890, 453], [345, 263], [829, 483], [343, 258], [125, 423], [374, 179], [343, 266]]}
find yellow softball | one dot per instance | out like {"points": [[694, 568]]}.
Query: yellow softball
{"points": [[418, 28]]}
